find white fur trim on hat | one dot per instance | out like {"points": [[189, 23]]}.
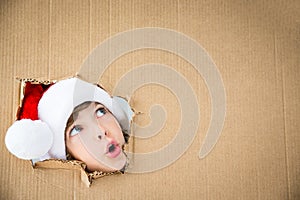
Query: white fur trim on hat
{"points": [[58, 102], [123, 112], [45, 138]]}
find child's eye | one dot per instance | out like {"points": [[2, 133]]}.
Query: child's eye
{"points": [[75, 130], [100, 112]]}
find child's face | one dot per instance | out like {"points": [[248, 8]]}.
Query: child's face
{"points": [[96, 138]]}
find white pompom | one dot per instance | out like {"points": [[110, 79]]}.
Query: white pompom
{"points": [[28, 139]]}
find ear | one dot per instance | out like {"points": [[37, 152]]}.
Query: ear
{"points": [[28, 139]]}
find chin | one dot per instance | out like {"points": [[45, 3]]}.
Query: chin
{"points": [[117, 165]]}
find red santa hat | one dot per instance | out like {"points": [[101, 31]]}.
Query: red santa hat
{"points": [[44, 137]]}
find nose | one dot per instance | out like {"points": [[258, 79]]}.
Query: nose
{"points": [[102, 132], [106, 134]]}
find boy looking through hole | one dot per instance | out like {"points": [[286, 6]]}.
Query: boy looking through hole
{"points": [[101, 129], [77, 117]]}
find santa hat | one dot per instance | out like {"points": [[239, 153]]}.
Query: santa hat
{"points": [[44, 138]]}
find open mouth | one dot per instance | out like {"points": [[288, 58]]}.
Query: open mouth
{"points": [[113, 149]]}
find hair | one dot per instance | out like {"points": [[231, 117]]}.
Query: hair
{"points": [[75, 114], [77, 109], [71, 120]]}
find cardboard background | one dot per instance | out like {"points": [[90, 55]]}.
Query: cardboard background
{"points": [[255, 45]]}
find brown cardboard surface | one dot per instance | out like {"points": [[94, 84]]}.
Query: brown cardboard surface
{"points": [[255, 45]]}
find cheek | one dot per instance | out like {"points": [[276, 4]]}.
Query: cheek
{"points": [[75, 144], [117, 131], [77, 148], [114, 128]]}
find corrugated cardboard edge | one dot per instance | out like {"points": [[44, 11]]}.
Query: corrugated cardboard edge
{"points": [[86, 177]]}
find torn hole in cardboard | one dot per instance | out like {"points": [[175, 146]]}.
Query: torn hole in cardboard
{"points": [[37, 86]]}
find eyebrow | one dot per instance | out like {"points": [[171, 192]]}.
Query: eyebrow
{"points": [[97, 103], [101, 106]]}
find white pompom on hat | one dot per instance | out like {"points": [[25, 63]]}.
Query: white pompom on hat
{"points": [[43, 139]]}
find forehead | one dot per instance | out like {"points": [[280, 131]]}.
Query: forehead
{"points": [[89, 110]]}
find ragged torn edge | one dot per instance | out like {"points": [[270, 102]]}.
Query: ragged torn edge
{"points": [[86, 177]]}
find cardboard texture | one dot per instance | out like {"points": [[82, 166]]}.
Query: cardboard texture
{"points": [[254, 44]]}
